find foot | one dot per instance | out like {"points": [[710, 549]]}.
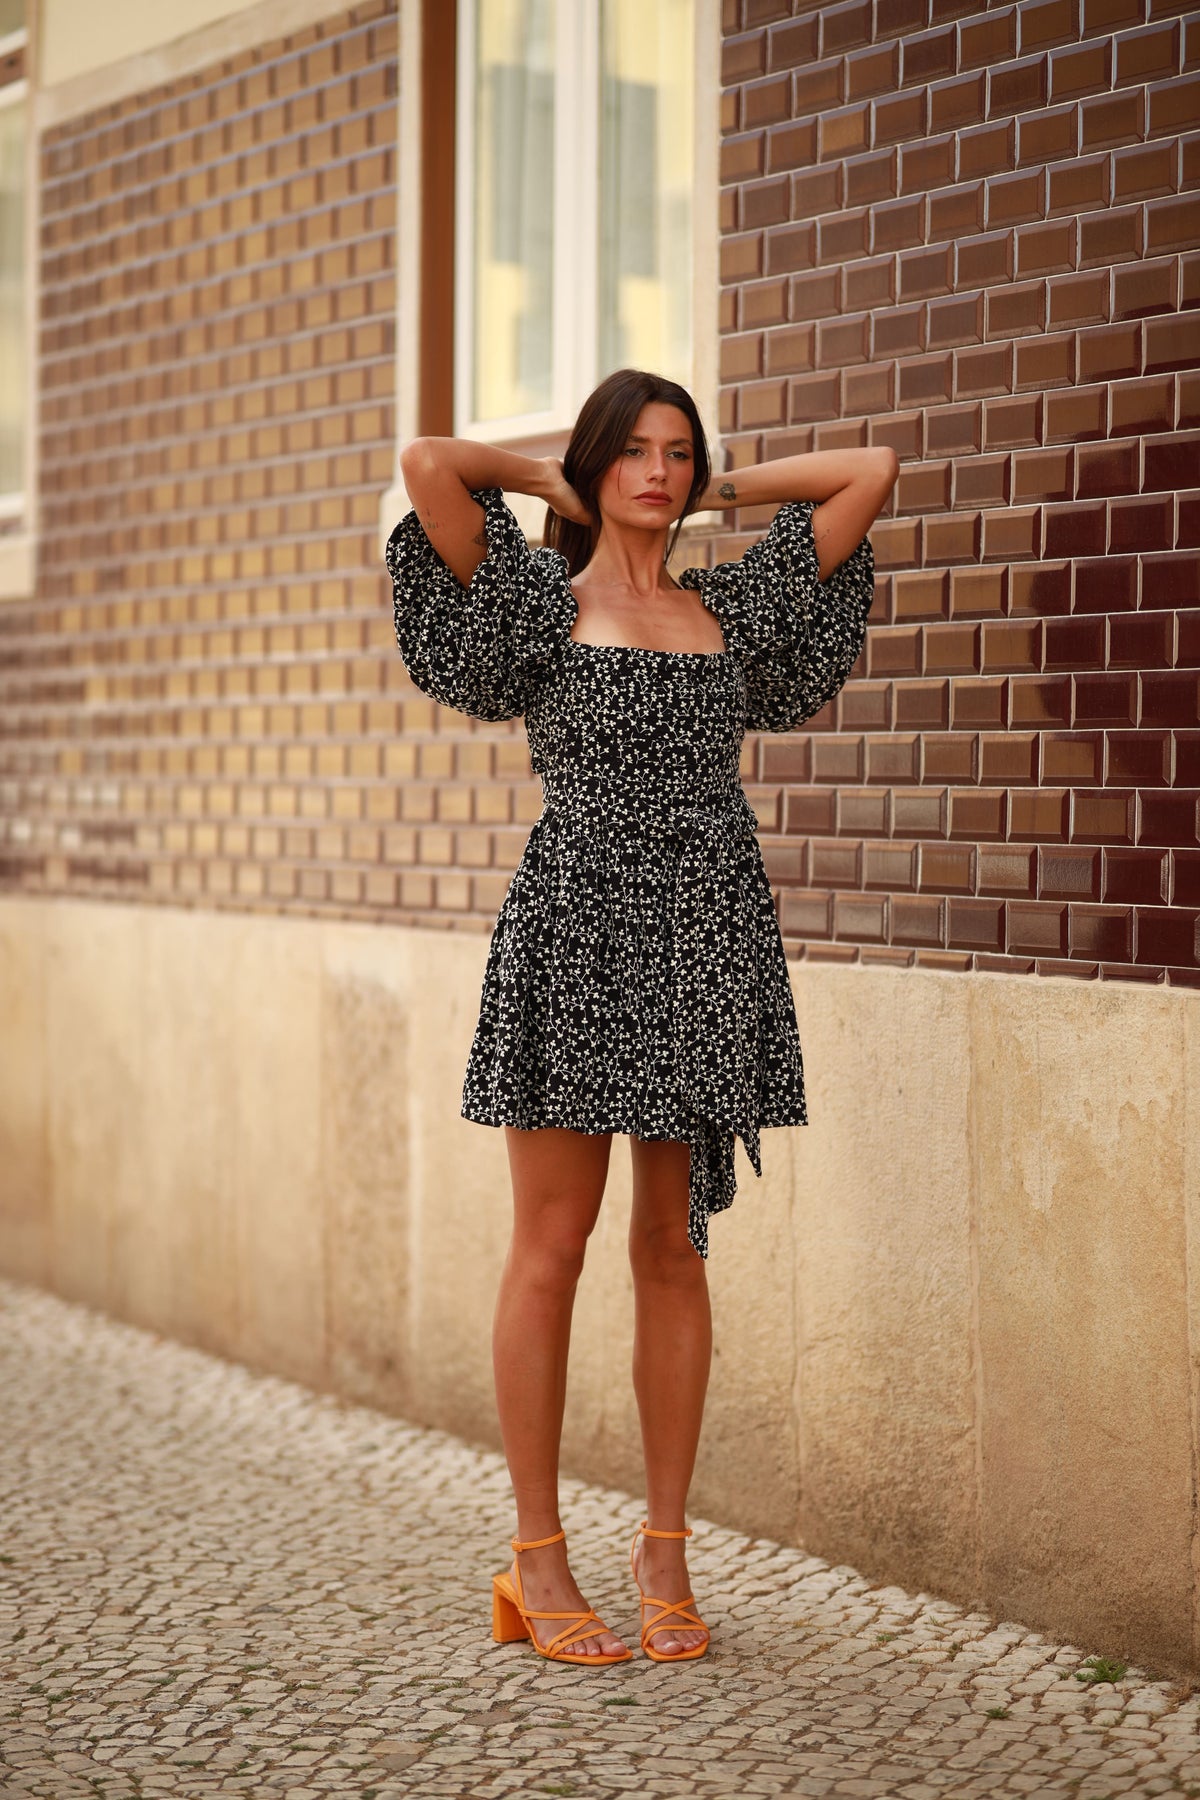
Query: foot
{"points": [[548, 1586], [660, 1566]]}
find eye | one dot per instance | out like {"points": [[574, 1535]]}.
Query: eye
{"points": [[633, 450]]}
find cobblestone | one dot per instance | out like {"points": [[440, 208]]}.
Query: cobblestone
{"points": [[215, 1583]]}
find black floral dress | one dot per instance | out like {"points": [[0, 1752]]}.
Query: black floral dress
{"points": [[636, 980]]}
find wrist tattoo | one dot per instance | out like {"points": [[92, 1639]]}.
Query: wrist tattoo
{"points": [[727, 491], [481, 539]]}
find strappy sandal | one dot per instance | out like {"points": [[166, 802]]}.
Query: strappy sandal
{"points": [[691, 1620], [511, 1616]]}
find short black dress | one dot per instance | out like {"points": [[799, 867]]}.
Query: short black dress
{"points": [[636, 980]]}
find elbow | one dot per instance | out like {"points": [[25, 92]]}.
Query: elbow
{"points": [[888, 464], [889, 467], [416, 458]]}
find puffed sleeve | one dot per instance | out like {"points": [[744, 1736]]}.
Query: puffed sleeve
{"points": [[797, 637], [479, 649]]}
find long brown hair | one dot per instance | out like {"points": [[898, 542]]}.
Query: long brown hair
{"points": [[601, 432]]}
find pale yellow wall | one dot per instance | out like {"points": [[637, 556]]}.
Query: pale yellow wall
{"points": [[78, 37], [955, 1322]]}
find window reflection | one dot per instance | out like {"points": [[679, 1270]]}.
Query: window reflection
{"points": [[514, 208], [645, 186], [12, 296], [574, 270]]}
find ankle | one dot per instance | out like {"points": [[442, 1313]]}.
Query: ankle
{"points": [[664, 1540], [537, 1531]]}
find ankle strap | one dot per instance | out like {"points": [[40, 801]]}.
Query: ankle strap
{"points": [[536, 1543], [650, 1531]]}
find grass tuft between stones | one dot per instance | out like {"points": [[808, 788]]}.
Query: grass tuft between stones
{"points": [[1101, 1668]]}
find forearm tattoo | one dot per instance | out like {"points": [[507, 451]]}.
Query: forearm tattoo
{"points": [[727, 491]]}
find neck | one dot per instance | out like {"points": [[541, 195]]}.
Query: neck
{"points": [[632, 559]]}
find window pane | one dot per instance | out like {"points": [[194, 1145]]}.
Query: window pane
{"points": [[646, 146], [514, 207], [12, 16], [12, 297]]}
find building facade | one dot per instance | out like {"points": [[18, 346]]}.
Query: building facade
{"points": [[247, 871]]}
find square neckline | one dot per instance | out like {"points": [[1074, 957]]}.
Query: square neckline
{"points": [[637, 649], [644, 650]]}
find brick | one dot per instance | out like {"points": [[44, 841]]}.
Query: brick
{"points": [[918, 920], [1007, 869], [1036, 928], [806, 915], [975, 924]]}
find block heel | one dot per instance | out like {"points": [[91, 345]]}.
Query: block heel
{"points": [[511, 1616], [507, 1623]]}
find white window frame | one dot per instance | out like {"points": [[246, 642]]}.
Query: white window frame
{"points": [[12, 504], [394, 502], [577, 126], [16, 548]]}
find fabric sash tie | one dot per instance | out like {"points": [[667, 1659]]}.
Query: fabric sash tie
{"points": [[714, 1019]]}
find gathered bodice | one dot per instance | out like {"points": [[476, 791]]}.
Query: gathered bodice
{"points": [[667, 725]]}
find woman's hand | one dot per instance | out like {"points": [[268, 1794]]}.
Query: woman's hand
{"points": [[560, 496]]}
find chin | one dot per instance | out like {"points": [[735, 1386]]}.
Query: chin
{"points": [[654, 521]]}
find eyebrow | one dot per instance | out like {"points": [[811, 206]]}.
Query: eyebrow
{"points": [[636, 438]]}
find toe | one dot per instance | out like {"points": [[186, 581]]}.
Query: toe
{"points": [[596, 1645], [674, 1642]]}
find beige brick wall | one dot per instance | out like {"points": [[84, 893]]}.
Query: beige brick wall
{"points": [[203, 704]]}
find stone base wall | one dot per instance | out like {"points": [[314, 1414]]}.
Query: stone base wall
{"points": [[954, 1322]]}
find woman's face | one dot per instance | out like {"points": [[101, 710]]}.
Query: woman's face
{"points": [[650, 481]]}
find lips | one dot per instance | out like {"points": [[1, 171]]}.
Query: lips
{"points": [[654, 499]]}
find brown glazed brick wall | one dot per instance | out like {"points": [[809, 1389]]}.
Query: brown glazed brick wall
{"points": [[204, 705], [966, 231], [970, 232]]}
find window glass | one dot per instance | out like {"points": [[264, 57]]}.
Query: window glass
{"points": [[12, 16], [12, 296], [644, 302], [513, 363]]}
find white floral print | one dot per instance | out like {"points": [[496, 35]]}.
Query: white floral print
{"points": [[636, 980]]}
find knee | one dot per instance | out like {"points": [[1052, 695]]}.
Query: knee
{"points": [[552, 1260], [661, 1253]]}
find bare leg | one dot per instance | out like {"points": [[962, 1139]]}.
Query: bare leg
{"points": [[672, 1353], [558, 1182]]}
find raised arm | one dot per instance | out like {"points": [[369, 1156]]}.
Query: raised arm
{"points": [[439, 474], [852, 486]]}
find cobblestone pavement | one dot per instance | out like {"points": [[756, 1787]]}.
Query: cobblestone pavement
{"points": [[218, 1583]]}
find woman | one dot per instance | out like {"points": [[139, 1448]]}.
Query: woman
{"points": [[636, 980]]}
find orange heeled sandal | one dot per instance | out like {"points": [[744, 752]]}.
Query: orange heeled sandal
{"points": [[685, 1620], [511, 1616]]}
